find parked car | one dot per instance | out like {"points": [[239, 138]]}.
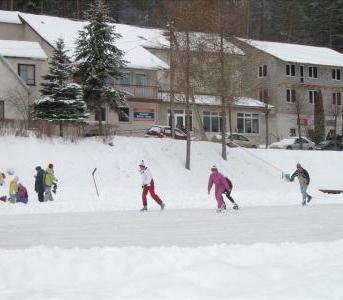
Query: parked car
{"points": [[293, 143], [165, 131], [330, 145], [235, 140]]}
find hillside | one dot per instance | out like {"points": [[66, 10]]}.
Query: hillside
{"points": [[255, 183]]}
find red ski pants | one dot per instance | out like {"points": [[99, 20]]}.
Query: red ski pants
{"points": [[151, 189]]}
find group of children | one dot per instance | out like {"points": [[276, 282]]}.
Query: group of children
{"points": [[45, 184]]}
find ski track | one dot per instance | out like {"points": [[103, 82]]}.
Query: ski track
{"points": [[184, 228]]}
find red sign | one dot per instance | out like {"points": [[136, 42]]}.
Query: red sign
{"points": [[302, 122]]}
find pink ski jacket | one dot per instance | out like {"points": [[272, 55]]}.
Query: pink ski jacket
{"points": [[219, 181]]}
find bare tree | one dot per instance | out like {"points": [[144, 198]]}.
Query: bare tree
{"points": [[20, 102]]}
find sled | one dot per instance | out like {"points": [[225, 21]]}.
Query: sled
{"points": [[331, 191]]}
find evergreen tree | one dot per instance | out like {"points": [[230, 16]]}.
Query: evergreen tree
{"points": [[62, 100], [98, 59]]}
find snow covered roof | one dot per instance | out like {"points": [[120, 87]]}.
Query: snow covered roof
{"points": [[132, 43], [299, 53], [22, 49], [9, 17], [215, 100]]}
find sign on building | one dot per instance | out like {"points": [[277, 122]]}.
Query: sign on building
{"points": [[302, 122], [143, 114]]}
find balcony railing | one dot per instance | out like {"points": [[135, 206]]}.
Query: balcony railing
{"points": [[139, 91]]}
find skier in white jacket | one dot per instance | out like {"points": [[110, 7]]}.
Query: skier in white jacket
{"points": [[148, 185]]}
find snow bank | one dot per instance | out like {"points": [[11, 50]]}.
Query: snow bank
{"points": [[119, 183], [285, 271]]}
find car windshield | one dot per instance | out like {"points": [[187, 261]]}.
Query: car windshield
{"points": [[287, 141]]}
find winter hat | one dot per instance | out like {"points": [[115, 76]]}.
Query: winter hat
{"points": [[214, 168], [50, 166], [299, 165], [142, 164], [38, 168]]}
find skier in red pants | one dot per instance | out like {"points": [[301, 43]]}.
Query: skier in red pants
{"points": [[148, 185]]}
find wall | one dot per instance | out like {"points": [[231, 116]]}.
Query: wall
{"points": [[12, 90], [11, 31]]}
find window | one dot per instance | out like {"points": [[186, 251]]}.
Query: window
{"points": [[180, 119], [290, 94], [290, 70], [336, 99], [312, 96], [212, 121], [248, 123], [140, 79], [125, 79], [263, 95], [101, 114], [336, 74], [27, 73], [262, 71], [2, 110], [313, 72], [124, 114], [292, 132]]}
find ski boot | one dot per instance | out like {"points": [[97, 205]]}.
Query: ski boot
{"points": [[162, 206], [304, 203], [235, 206], [145, 208], [309, 198]]}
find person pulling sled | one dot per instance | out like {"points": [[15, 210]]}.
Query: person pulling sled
{"points": [[148, 185]]}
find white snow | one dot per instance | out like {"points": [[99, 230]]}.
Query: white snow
{"points": [[84, 247], [215, 100], [299, 53], [260, 271], [131, 42], [11, 17], [23, 49]]}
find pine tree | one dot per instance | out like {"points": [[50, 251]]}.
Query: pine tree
{"points": [[61, 101], [98, 59]]}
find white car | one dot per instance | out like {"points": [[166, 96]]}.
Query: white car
{"points": [[235, 140], [293, 143]]}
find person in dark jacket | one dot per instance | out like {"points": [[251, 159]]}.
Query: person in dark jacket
{"points": [[39, 183], [227, 192], [304, 181]]}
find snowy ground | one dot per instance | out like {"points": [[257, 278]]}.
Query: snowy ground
{"points": [[84, 247]]}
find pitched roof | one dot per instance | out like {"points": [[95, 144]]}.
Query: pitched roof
{"points": [[10, 17], [132, 42], [299, 53], [11, 48]]}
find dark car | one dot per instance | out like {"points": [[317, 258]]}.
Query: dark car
{"points": [[330, 145], [165, 131]]}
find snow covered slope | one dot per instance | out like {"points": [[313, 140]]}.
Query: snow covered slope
{"points": [[255, 183]]}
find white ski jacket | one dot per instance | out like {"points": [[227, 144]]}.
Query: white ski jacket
{"points": [[146, 177]]}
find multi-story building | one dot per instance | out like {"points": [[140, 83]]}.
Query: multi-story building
{"points": [[289, 77]]}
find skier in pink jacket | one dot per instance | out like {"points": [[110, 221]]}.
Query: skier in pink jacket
{"points": [[221, 185]]}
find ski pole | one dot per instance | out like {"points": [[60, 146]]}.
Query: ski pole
{"points": [[96, 188]]}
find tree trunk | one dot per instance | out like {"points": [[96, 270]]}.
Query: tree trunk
{"points": [[100, 122], [267, 125], [335, 126], [188, 129], [61, 127], [172, 80], [223, 93]]}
